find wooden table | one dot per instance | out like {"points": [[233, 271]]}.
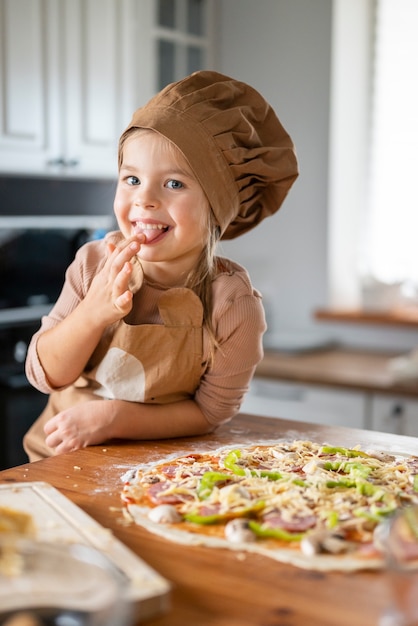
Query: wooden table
{"points": [[216, 586]]}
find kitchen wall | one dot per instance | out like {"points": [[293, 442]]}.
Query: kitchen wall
{"points": [[283, 48]]}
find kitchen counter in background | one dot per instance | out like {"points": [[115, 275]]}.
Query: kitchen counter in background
{"points": [[343, 368], [403, 317], [335, 386]]}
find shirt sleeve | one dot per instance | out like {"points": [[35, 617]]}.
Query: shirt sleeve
{"points": [[239, 328]]}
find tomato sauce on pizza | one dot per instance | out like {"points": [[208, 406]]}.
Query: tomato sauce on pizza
{"points": [[317, 506]]}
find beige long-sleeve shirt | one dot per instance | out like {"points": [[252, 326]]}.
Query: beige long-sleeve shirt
{"points": [[238, 322]]}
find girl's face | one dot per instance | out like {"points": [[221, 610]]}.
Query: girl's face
{"points": [[158, 195]]}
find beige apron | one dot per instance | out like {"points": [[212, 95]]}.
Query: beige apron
{"points": [[150, 363]]}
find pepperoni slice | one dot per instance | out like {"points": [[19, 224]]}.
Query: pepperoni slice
{"points": [[156, 494], [296, 524]]}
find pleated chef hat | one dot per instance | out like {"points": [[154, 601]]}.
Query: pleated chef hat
{"points": [[235, 145]]}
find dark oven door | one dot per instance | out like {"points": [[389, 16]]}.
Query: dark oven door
{"points": [[20, 403]]}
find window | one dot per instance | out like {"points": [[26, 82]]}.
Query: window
{"points": [[391, 247], [183, 32], [373, 197]]}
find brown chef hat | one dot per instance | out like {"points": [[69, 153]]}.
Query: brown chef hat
{"points": [[235, 145]]}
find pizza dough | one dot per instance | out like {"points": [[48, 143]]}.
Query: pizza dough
{"points": [[315, 506]]}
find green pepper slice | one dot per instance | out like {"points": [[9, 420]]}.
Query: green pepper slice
{"points": [[354, 468], [344, 451], [343, 483], [205, 519], [375, 514], [358, 470], [362, 486], [332, 519], [216, 518], [275, 533], [367, 489], [231, 463], [208, 481]]}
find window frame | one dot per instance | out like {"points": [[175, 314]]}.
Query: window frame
{"points": [[181, 40], [351, 79]]}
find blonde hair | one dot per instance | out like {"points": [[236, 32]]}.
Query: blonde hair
{"points": [[201, 276]]}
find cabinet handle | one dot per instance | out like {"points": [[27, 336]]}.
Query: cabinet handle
{"points": [[57, 161], [397, 411], [63, 162], [72, 162]]}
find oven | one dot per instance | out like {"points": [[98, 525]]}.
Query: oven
{"points": [[35, 252]]}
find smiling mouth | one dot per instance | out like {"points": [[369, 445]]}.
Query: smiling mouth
{"points": [[151, 231]]}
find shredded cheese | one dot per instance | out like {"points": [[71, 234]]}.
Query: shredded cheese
{"points": [[347, 490]]}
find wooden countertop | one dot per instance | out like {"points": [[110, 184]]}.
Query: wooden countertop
{"points": [[352, 369], [403, 317], [217, 587]]}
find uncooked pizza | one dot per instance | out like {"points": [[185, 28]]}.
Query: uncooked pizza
{"points": [[316, 506]]}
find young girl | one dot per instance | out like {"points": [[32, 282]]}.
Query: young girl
{"points": [[153, 336]]}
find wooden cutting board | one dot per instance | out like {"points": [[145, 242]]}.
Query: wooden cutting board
{"points": [[58, 520]]}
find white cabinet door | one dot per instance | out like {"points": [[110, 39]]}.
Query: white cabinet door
{"points": [[397, 415], [29, 64], [109, 72], [92, 86], [320, 405], [70, 78]]}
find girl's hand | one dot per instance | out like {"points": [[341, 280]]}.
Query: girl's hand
{"points": [[82, 425], [109, 296]]}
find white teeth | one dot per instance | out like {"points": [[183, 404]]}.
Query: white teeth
{"points": [[143, 226]]}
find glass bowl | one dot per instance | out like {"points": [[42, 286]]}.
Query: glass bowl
{"points": [[400, 546], [43, 584]]}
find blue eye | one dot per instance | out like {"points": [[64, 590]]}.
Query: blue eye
{"points": [[132, 180], [175, 184]]}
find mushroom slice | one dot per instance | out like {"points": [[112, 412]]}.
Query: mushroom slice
{"points": [[320, 541], [312, 466], [238, 531], [381, 456], [164, 514], [235, 490]]}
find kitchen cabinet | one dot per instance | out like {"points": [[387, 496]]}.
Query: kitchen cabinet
{"points": [[63, 86], [341, 386], [307, 403], [335, 407], [395, 414], [73, 71]]}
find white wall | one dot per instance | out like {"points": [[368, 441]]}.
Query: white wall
{"points": [[283, 48]]}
